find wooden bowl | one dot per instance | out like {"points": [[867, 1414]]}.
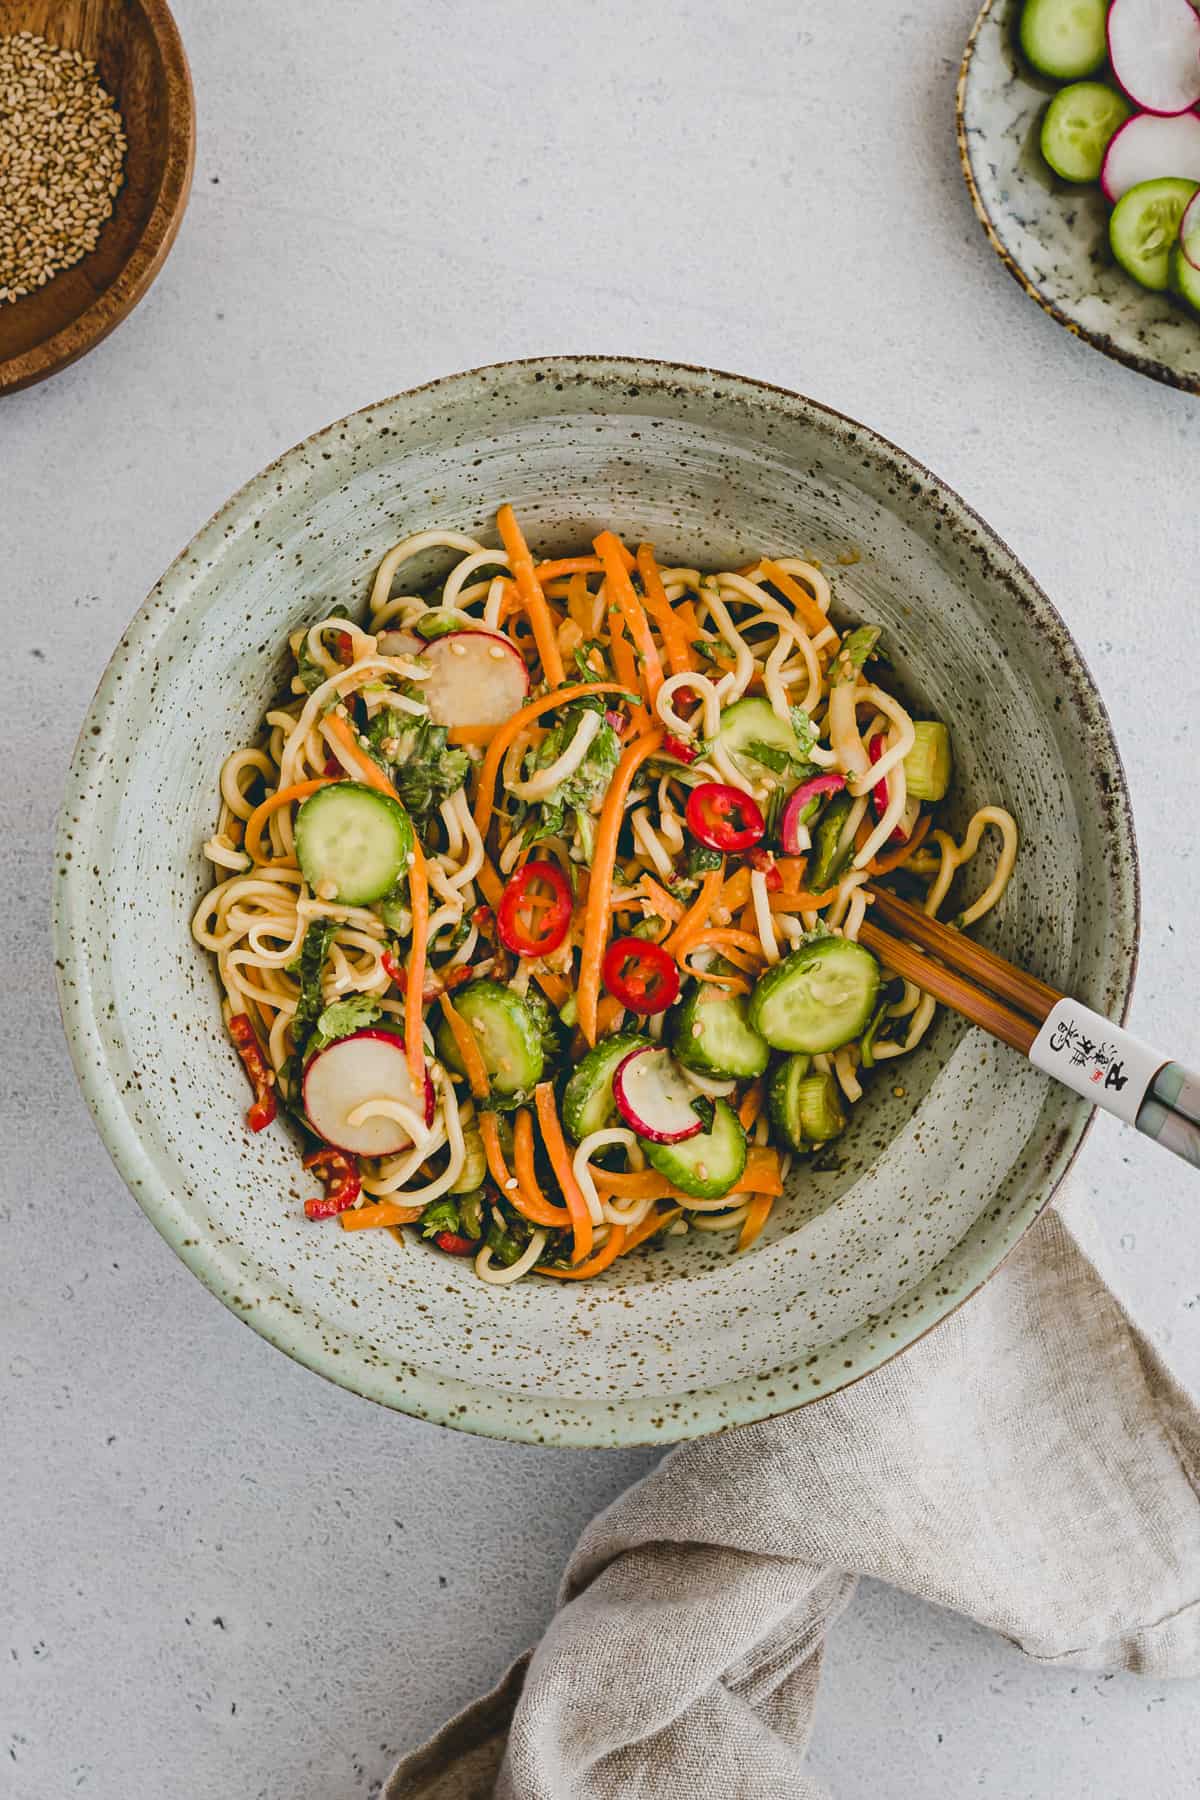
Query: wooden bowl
{"points": [[140, 60]]}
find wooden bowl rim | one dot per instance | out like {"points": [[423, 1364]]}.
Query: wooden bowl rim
{"points": [[116, 301]]}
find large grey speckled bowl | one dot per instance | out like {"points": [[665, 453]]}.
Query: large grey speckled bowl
{"points": [[1052, 235], [938, 1180]]}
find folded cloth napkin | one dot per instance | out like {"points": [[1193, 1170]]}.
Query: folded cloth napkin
{"points": [[1030, 1463]]}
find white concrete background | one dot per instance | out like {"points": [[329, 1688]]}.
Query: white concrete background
{"points": [[221, 1577]]}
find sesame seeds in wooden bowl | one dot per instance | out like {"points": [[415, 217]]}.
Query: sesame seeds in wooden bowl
{"points": [[97, 143]]}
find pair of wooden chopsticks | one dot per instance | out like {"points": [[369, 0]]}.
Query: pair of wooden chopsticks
{"points": [[1160, 1097]]}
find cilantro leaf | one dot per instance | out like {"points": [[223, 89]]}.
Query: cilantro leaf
{"points": [[342, 1018], [413, 753]]}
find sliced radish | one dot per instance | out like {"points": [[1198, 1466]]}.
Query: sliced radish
{"points": [[1154, 49], [1148, 147], [477, 678], [369, 1065], [654, 1097], [791, 822], [399, 643], [1189, 232]]}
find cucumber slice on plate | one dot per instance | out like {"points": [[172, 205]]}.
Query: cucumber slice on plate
{"points": [[928, 765], [1145, 225], [506, 1032], [588, 1103], [1079, 122], [1185, 278], [818, 998], [1065, 38], [707, 1166], [783, 1103], [753, 721], [354, 841], [714, 1037]]}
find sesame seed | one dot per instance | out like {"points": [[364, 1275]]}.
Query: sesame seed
{"points": [[697, 1029], [512, 1184], [62, 153], [457, 649], [702, 1171], [497, 654]]}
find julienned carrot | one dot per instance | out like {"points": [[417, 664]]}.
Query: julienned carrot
{"points": [[564, 1173], [650, 1224], [751, 1105], [608, 1253], [490, 883], [607, 1012], [622, 590], [489, 768], [625, 669], [757, 1214], [696, 916], [680, 655], [604, 857], [813, 618], [469, 1055], [529, 1198], [555, 987], [341, 739], [414, 995], [742, 948], [802, 902], [384, 1212], [532, 597], [299, 790], [663, 903], [893, 859], [460, 736], [791, 871], [736, 891], [568, 565]]}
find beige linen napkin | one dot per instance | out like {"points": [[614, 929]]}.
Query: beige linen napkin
{"points": [[1030, 1463]]}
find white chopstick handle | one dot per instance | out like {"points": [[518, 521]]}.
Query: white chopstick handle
{"points": [[1100, 1060]]}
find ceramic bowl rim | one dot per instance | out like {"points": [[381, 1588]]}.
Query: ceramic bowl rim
{"points": [[517, 1417], [1151, 366]]}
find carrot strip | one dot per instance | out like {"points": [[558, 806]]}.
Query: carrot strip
{"points": [[299, 790], [680, 656], [736, 891], [529, 1198], [624, 593], [553, 986], [606, 1014], [751, 1106], [729, 941], [625, 669], [469, 1053], [696, 916], [414, 995], [757, 1214], [568, 565], [653, 1222], [564, 1173], [893, 859], [462, 735], [608, 1253], [532, 597], [762, 1174], [791, 870], [604, 857], [341, 739], [802, 902], [814, 619], [489, 768], [385, 1212], [663, 903]]}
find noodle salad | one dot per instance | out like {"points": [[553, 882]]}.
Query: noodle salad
{"points": [[538, 898]]}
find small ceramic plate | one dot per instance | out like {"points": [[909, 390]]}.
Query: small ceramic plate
{"points": [[1050, 235]]}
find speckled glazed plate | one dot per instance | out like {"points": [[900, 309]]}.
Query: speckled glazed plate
{"points": [[942, 1172], [1051, 235]]}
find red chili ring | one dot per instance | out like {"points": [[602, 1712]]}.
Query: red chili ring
{"points": [[640, 975], [723, 818]]}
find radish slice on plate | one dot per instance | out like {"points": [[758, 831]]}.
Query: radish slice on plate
{"points": [[1154, 49], [1189, 232], [476, 678], [1147, 148], [654, 1098], [798, 801], [369, 1065]]}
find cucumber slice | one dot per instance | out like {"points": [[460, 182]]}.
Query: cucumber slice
{"points": [[506, 1032], [1185, 278], [588, 1104], [1145, 225], [928, 764], [712, 1035], [819, 998], [708, 1166], [474, 1171], [1077, 127], [1064, 38], [783, 1102], [753, 721], [353, 840], [819, 1106]]}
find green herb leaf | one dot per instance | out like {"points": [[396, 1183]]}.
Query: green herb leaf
{"points": [[342, 1019], [854, 651], [805, 730], [442, 1215], [413, 752], [437, 624], [704, 1110], [701, 859]]}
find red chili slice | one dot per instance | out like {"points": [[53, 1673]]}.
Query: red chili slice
{"points": [[339, 1171], [879, 793], [640, 975], [454, 1244], [262, 1078], [679, 748], [723, 818], [764, 862], [437, 981], [530, 921], [345, 647]]}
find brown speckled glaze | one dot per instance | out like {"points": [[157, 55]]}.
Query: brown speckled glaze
{"points": [[931, 1189], [1052, 235]]}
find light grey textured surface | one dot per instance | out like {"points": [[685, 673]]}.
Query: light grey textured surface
{"points": [[382, 194]]}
